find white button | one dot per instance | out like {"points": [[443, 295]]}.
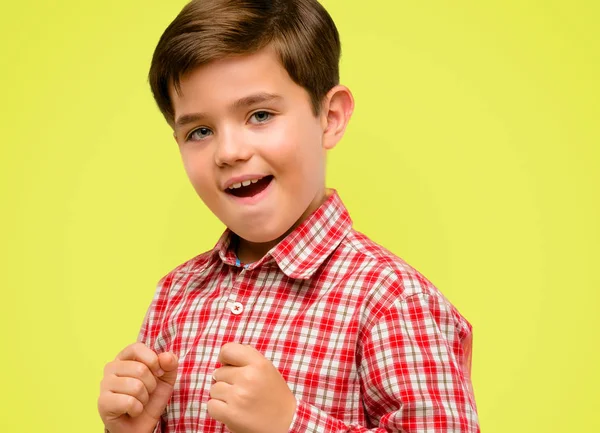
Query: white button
{"points": [[237, 308]]}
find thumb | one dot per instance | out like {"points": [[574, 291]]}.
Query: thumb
{"points": [[164, 387], [168, 362]]}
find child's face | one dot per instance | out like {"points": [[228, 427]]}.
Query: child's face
{"points": [[243, 119]]}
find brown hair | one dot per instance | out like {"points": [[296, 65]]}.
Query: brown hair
{"points": [[301, 31]]}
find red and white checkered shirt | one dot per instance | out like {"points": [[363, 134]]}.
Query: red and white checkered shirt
{"points": [[363, 340]]}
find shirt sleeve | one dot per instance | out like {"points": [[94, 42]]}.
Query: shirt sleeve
{"points": [[415, 373], [155, 314]]}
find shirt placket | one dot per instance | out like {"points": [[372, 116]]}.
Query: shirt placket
{"points": [[206, 358], [247, 287], [231, 312]]}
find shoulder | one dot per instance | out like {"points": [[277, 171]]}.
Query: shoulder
{"points": [[388, 282], [383, 265]]}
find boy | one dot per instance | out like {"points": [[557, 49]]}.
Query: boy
{"points": [[294, 321]]}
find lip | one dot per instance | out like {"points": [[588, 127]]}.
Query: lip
{"points": [[240, 179]]}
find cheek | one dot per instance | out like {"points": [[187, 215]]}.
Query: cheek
{"points": [[294, 146], [197, 170]]}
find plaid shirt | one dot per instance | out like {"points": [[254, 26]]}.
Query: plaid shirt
{"points": [[363, 340]]}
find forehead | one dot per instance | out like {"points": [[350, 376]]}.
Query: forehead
{"points": [[221, 83]]}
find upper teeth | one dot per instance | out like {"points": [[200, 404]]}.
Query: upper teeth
{"points": [[244, 183]]}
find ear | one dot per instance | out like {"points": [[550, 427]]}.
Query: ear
{"points": [[175, 138], [338, 106]]}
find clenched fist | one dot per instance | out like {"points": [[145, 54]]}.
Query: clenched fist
{"points": [[135, 389], [249, 394]]}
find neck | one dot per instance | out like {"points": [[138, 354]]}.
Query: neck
{"points": [[249, 252]]}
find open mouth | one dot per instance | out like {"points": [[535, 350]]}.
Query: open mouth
{"points": [[249, 188]]}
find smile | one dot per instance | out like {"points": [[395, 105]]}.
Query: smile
{"points": [[249, 188]]}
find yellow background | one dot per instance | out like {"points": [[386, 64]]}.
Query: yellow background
{"points": [[473, 154]]}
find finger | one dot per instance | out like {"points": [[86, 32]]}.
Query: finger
{"points": [[139, 352], [113, 405], [217, 410], [225, 374], [220, 391], [238, 355], [134, 369], [128, 386]]}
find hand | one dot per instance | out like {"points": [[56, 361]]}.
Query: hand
{"points": [[249, 395], [135, 389]]}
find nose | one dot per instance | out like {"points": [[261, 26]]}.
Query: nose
{"points": [[232, 148]]}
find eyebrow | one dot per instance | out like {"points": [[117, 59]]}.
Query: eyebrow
{"points": [[246, 101]]}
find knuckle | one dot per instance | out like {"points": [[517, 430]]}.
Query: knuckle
{"points": [[101, 403], [243, 394], [251, 375], [263, 364], [138, 345], [224, 351], [135, 351], [134, 348], [212, 407], [136, 386], [139, 369], [130, 403]]}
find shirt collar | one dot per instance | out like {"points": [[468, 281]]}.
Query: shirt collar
{"points": [[300, 253]]}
